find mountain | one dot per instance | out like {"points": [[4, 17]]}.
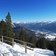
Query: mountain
{"points": [[41, 26]]}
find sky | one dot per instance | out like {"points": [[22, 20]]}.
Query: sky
{"points": [[28, 10]]}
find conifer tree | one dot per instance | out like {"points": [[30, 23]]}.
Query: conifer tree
{"points": [[2, 28], [9, 27]]}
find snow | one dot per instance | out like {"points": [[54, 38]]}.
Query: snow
{"points": [[19, 50], [50, 37], [43, 52]]}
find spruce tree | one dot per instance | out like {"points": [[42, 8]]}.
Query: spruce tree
{"points": [[23, 35], [2, 28], [9, 27]]}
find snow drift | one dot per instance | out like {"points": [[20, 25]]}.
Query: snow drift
{"points": [[19, 50]]}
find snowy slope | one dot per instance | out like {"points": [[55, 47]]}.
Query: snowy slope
{"points": [[18, 50]]}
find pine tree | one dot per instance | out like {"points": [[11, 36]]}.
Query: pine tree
{"points": [[9, 27], [2, 28], [41, 42], [23, 35], [8, 20]]}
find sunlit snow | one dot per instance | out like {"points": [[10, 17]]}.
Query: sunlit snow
{"points": [[19, 50]]}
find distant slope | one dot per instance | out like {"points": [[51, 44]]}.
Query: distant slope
{"points": [[42, 26]]}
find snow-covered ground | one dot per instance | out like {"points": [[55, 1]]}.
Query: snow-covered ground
{"points": [[19, 50]]}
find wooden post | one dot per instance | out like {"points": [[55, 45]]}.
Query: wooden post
{"points": [[12, 41], [2, 38], [25, 47]]}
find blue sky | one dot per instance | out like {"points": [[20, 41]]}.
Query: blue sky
{"points": [[28, 10]]}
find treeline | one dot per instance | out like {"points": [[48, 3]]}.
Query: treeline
{"points": [[6, 28]]}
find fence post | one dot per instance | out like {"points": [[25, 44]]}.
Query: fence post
{"points": [[2, 38], [12, 41], [25, 47]]}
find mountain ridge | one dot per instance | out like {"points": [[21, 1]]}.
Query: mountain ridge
{"points": [[42, 26]]}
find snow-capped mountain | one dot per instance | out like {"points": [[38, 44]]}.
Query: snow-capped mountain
{"points": [[19, 50], [41, 26]]}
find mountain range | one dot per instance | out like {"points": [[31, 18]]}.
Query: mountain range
{"points": [[39, 26]]}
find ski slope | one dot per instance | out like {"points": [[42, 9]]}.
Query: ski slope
{"points": [[19, 50]]}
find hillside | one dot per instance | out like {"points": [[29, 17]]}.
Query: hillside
{"points": [[41, 26], [18, 50]]}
